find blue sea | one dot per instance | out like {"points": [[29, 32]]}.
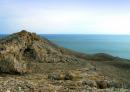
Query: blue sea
{"points": [[116, 45]]}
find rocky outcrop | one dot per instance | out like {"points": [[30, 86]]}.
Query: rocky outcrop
{"points": [[20, 51], [17, 50]]}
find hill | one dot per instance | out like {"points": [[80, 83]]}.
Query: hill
{"points": [[29, 63]]}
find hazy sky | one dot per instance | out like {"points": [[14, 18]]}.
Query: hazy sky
{"points": [[65, 16]]}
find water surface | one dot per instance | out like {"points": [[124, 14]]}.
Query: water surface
{"points": [[117, 45]]}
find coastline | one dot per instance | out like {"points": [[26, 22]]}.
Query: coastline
{"points": [[38, 64]]}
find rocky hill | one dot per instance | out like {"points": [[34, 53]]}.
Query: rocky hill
{"points": [[21, 51], [29, 63]]}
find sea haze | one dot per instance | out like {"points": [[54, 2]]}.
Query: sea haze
{"points": [[116, 45]]}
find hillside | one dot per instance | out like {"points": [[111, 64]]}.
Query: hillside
{"points": [[29, 63]]}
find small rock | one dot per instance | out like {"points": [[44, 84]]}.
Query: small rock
{"points": [[89, 83], [68, 76], [102, 84], [54, 77], [8, 91]]}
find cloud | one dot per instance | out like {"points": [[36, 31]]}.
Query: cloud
{"points": [[55, 19]]}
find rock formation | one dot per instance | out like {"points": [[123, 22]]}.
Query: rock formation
{"points": [[20, 51]]}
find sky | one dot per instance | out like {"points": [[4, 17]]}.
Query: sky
{"points": [[65, 16]]}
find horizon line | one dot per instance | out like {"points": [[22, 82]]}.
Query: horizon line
{"points": [[66, 34]]}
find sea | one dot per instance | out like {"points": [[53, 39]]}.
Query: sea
{"points": [[116, 45]]}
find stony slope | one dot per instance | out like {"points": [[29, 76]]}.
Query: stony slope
{"points": [[18, 51], [46, 67]]}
